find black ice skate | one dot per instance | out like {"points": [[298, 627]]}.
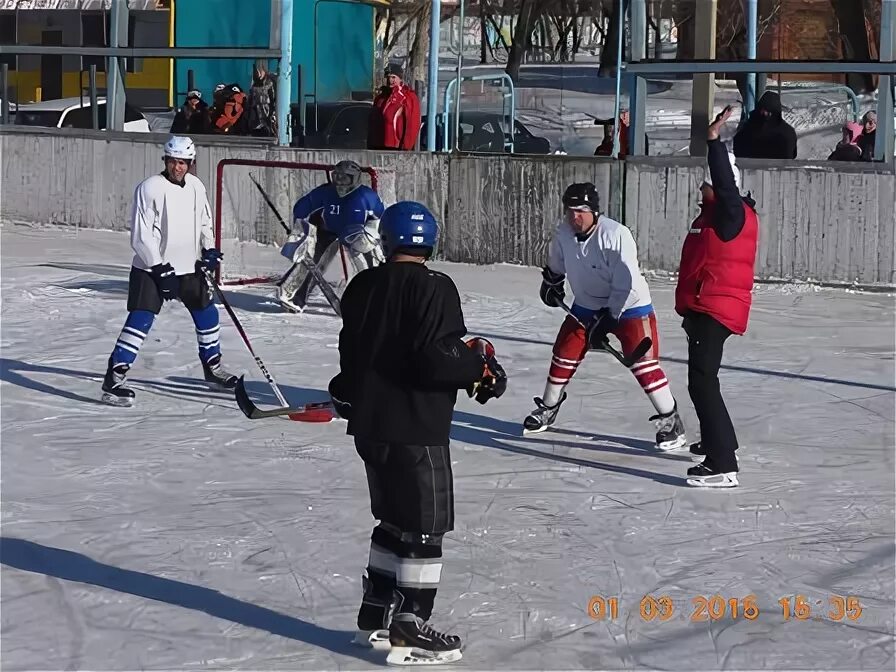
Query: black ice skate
{"points": [[114, 390], [373, 620], [669, 431], [705, 475], [217, 375], [543, 416], [697, 452], [415, 642]]}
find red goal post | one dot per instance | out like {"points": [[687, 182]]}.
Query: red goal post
{"points": [[252, 248]]}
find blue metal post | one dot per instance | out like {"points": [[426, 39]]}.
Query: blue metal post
{"points": [[619, 47], [752, 32], [432, 92], [284, 76], [885, 142], [460, 67]]}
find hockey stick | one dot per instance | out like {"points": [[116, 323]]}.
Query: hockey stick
{"points": [[320, 411], [330, 295], [636, 354], [242, 332]]}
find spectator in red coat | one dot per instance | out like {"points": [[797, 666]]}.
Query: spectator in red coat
{"points": [[395, 115]]}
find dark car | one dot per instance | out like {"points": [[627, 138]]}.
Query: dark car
{"points": [[486, 132], [341, 125]]}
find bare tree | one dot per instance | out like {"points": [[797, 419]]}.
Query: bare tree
{"points": [[529, 12]]}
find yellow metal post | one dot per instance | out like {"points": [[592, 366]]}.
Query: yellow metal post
{"points": [[171, 43]]}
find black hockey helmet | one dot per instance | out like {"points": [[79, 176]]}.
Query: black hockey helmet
{"points": [[581, 196]]}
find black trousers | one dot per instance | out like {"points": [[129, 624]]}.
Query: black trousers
{"points": [[412, 495], [706, 341], [411, 487]]}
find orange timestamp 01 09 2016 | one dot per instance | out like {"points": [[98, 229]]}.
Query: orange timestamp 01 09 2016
{"points": [[717, 607]]}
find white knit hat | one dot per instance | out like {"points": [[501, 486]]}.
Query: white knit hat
{"points": [[707, 178]]}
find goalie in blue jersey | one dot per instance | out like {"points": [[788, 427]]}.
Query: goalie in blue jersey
{"points": [[341, 213]]}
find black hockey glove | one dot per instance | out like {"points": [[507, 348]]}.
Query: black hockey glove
{"points": [[493, 382], [343, 408], [166, 281], [552, 292], [602, 325], [210, 260]]}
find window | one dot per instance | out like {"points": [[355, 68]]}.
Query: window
{"points": [[95, 31], [8, 36], [93, 35], [352, 121]]}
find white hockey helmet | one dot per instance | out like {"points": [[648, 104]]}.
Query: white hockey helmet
{"points": [[180, 147]]}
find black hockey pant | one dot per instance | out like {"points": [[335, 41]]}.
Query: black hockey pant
{"points": [[412, 495], [706, 341]]}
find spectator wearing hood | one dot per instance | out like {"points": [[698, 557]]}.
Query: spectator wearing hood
{"points": [[395, 116], [190, 118], [766, 135], [869, 134], [848, 148]]}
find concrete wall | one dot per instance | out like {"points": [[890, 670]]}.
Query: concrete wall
{"points": [[819, 221], [825, 221]]}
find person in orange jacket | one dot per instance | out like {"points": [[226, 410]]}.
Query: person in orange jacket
{"points": [[395, 116]]}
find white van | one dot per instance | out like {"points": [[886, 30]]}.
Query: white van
{"points": [[70, 113]]}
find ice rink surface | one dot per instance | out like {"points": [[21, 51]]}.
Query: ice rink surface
{"points": [[180, 535]]}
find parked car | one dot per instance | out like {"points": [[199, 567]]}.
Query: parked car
{"points": [[341, 125], [486, 132], [73, 113]]}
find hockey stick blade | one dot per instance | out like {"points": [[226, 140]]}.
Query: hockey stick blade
{"points": [[320, 411], [636, 354]]}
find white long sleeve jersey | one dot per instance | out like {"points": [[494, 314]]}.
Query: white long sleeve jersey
{"points": [[170, 223], [603, 269]]}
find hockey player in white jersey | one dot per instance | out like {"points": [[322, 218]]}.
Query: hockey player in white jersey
{"points": [[340, 213], [599, 257], [173, 241]]}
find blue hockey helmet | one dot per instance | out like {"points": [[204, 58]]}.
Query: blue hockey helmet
{"points": [[408, 225]]}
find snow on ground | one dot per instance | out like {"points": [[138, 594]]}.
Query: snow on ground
{"points": [[180, 535]]}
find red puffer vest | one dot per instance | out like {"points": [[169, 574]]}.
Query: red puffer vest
{"points": [[716, 277]]}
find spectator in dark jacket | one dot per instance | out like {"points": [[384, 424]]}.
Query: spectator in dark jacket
{"points": [[869, 134], [395, 115], [848, 148], [190, 118], [766, 135]]}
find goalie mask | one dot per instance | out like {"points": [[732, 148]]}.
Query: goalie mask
{"points": [[346, 177]]}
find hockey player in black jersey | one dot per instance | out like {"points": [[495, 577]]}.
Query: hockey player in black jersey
{"points": [[402, 362]]}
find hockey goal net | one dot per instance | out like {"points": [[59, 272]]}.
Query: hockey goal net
{"points": [[250, 230]]}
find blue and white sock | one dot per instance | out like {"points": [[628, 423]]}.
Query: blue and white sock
{"points": [[208, 331], [136, 327]]}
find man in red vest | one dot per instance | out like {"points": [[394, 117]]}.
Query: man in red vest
{"points": [[714, 294]]}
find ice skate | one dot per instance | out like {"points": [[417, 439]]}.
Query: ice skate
{"points": [[415, 642], [543, 416], [706, 476], [378, 640], [697, 452], [669, 431], [373, 620], [289, 305], [115, 392], [217, 375]]}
